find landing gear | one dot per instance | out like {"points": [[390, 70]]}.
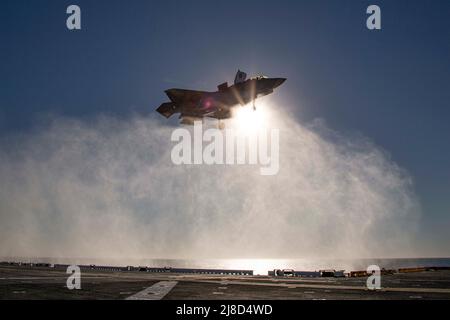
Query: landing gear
{"points": [[254, 107], [220, 125]]}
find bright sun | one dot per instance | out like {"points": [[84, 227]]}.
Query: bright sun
{"points": [[249, 120]]}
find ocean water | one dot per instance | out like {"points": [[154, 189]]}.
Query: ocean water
{"points": [[259, 266]]}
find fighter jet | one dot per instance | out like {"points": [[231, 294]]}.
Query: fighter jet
{"points": [[195, 105]]}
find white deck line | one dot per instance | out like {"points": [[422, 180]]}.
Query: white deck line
{"points": [[155, 292]]}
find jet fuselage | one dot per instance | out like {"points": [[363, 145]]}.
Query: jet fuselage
{"points": [[193, 104]]}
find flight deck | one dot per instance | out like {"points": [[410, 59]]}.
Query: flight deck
{"points": [[49, 282]]}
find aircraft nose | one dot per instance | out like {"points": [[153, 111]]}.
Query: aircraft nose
{"points": [[278, 82]]}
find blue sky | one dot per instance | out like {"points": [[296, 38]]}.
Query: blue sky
{"points": [[392, 86]]}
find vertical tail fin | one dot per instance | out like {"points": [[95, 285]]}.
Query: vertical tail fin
{"points": [[240, 77]]}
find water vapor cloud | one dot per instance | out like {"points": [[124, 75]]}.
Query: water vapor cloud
{"points": [[108, 189]]}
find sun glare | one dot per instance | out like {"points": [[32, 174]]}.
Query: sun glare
{"points": [[249, 120]]}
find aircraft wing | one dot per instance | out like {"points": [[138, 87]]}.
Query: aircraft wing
{"points": [[183, 95]]}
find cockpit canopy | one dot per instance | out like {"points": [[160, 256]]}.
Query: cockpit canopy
{"points": [[258, 77], [242, 77]]}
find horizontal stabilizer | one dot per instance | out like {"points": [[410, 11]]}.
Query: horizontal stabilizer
{"points": [[167, 109]]}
